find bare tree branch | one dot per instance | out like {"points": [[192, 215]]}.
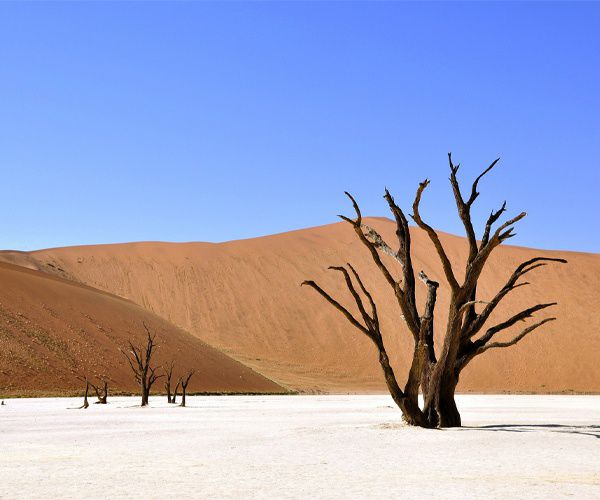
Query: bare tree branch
{"points": [[516, 339], [374, 314], [405, 259], [371, 330], [405, 305], [357, 224], [434, 237], [374, 237], [338, 306], [369, 322], [474, 193], [500, 235], [432, 287], [522, 269], [466, 305], [464, 209], [520, 316], [494, 216]]}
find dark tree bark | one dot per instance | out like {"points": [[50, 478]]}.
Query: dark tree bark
{"points": [[85, 396], [101, 395], [168, 377], [435, 375], [174, 400], [139, 359], [184, 383]]}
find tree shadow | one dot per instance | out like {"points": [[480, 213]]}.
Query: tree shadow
{"points": [[584, 430]]}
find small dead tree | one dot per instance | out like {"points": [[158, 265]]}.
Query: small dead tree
{"points": [[139, 359], [174, 400], [85, 396], [184, 383], [102, 395], [168, 377], [436, 374]]}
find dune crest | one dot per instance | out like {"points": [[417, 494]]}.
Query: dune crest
{"points": [[244, 298]]}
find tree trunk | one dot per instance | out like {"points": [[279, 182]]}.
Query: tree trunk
{"points": [[440, 405], [429, 396], [446, 404], [174, 399], [85, 397], [105, 396], [411, 413], [145, 394]]}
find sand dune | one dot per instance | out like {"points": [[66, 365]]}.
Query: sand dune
{"points": [[53, 331], [244, 298]]}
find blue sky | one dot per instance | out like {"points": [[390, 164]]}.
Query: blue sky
{"points": [[204, 121]]}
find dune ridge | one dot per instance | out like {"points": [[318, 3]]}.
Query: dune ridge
{"points": [[244, 298]]}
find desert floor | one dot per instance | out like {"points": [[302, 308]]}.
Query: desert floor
{"points": [[299, 446]]}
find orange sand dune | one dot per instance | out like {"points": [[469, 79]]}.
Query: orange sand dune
{"points": [[244, 298], [53, 330]]}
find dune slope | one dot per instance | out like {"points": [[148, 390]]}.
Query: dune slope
{"points": [[244, 298], [52, 331]]}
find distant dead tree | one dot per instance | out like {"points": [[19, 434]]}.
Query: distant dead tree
{"points": [[436, 373], [85, 396], [168, 377], [184, 383], [102, 395], [174, 400], [139, 359]]}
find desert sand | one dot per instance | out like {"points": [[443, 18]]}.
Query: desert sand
{"points": [[299, 447], [53, 331], [244, 298]]}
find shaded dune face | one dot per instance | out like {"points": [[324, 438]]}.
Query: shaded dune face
{"points": [[53, 331], [244, 298]]}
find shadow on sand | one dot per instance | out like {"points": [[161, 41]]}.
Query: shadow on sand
{"points": [[584, 430]]}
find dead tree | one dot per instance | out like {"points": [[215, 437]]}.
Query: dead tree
{"points": [[168, 377], [101, 395], [85, 396], [174, 400], [436, 372], [184, 383], [139, 359]]}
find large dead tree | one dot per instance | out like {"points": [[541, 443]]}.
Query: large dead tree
{"points": [[139, 359], [436, 371]]}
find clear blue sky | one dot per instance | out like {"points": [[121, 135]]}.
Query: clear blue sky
{"points": [[201, 121]]}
